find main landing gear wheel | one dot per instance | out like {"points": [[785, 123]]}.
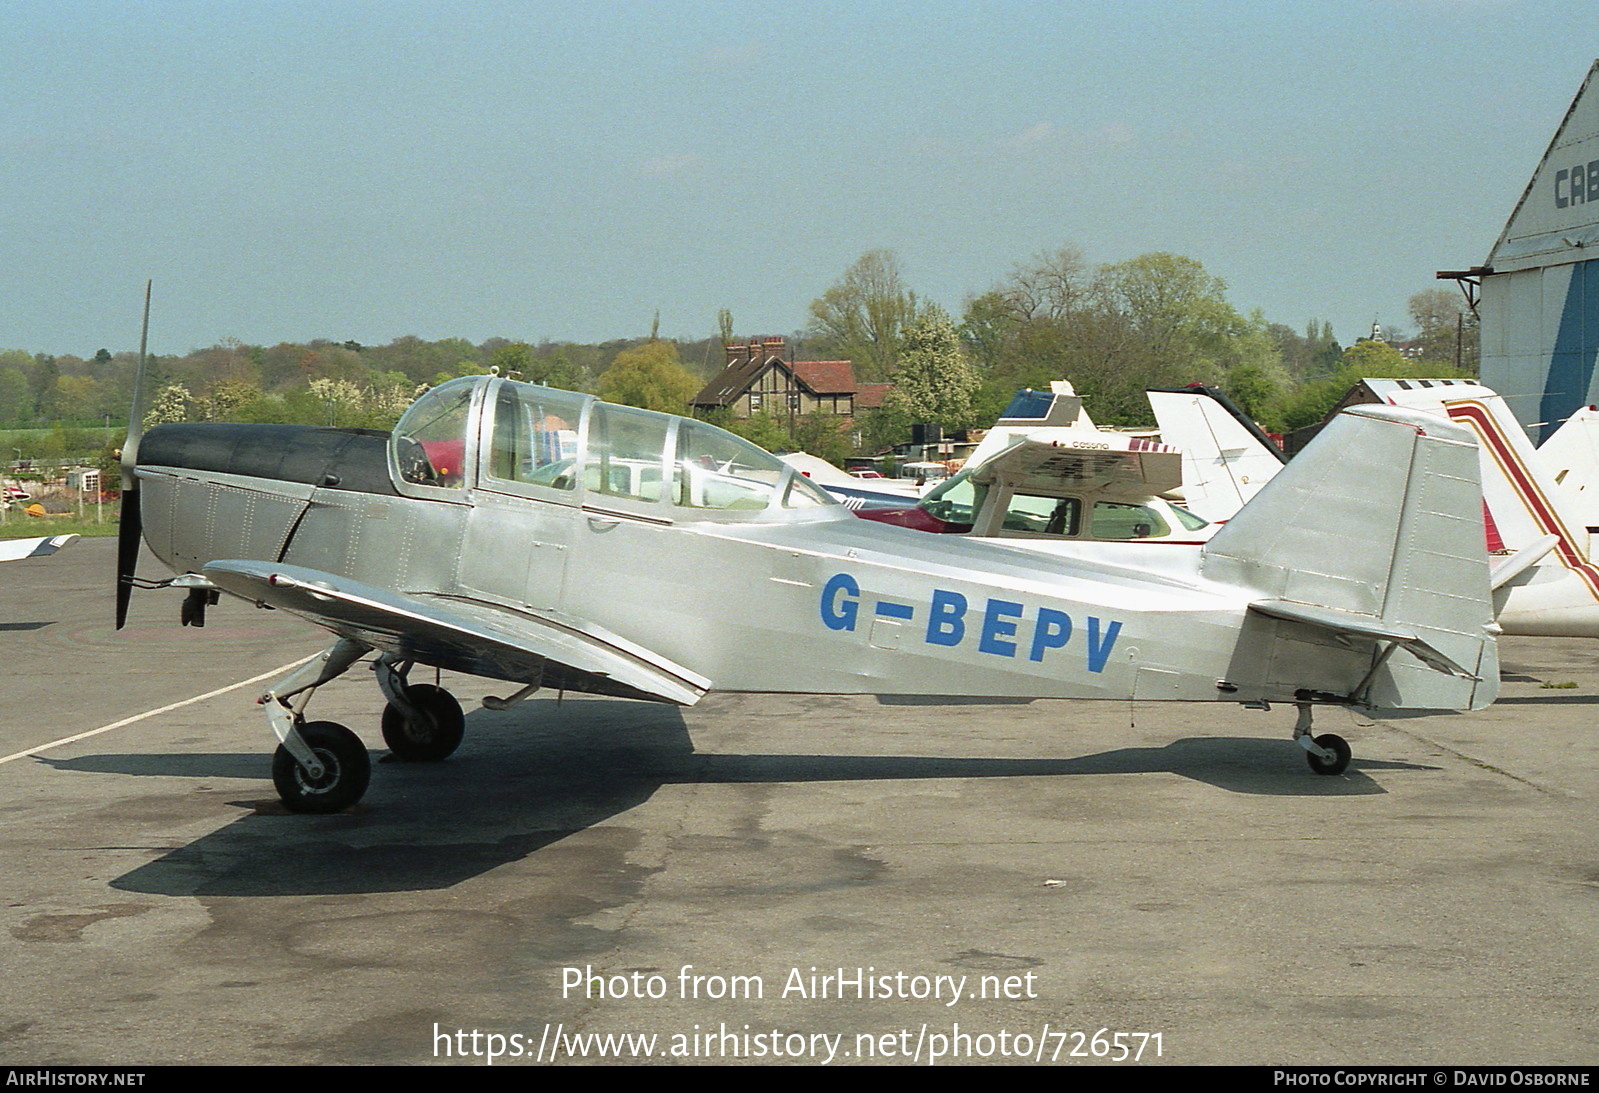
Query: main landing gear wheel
{"points": [[434, 735], [347, 770], [1341, 753]]}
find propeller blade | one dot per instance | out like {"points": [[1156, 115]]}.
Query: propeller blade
{"points": [[130, 530], [129, 534]]}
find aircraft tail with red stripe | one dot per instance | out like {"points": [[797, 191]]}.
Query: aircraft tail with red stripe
{"points": [[1544, 581]]}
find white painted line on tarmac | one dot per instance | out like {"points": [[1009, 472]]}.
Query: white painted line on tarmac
{"points": [[289, 667]]}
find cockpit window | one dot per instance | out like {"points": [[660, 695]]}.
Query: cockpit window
{"points": [[430, 440], [535, 435], [1039, 515], [625, 453], [1115, 520], [713, 469], [717, 470], [955, 500]]}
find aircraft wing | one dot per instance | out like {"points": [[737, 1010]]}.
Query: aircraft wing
{"points": [[468, 636], [12, 550], [1085, 464]]}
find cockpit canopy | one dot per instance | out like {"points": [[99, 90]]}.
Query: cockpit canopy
{"points": [[494, 434]]}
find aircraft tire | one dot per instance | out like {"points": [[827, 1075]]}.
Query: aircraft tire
{"points": [[349, 769], [430, 741], [1340, 760]]}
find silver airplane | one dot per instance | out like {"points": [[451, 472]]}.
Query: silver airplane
{"points": [[551, 540]]}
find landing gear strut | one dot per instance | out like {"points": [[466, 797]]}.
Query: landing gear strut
{"points": [[319, 766], [323, 767], [422, 723], [345, 770], [1327, 753]]}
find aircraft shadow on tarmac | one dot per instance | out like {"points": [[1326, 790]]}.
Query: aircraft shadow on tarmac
{"points": [[527, 778]]}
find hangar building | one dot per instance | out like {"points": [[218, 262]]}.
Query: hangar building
{"points": [[1539, 290]]}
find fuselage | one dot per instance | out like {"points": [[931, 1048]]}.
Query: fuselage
{"points": [[683, 540]]}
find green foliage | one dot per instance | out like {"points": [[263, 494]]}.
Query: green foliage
{"points": [[824, 436], [934, 382], [886, 426], [651, 377], [1446, 329], [1155, 320], [762, 429], [1312, 402], [513, 361]]}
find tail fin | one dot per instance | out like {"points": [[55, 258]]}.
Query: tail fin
{"points": [[1374, 534], [1226, 458], [1571, 457], [1524, 501], [1529, 510]]}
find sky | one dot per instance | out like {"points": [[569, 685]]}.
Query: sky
{"points": [[286, 171]]}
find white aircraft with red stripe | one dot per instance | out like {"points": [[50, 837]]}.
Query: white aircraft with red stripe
{"points": [[1544, 580]]}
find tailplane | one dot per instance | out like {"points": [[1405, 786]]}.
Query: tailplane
{"points": [[1374, 535]]}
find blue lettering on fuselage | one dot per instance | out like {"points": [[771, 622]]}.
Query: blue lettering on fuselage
{"points": [[1003, 628]]}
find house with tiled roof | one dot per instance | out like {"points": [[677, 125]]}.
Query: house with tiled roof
{"points": [[760, 378]]}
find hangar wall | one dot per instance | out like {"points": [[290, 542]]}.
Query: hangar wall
{"points": [[1540, 289]]}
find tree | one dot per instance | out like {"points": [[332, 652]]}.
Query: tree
{"points": [[934, 382], [170, 404], [14, 397], [763, 430], [1446, 329], [649, 376], [822, 435], [1365, 359], [561, 369], [860, 317], [514, 360]]}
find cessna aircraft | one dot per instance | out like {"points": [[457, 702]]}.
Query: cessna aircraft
{"points": [[548, 539], [12, 550], [1045, 475], [1087, 487]]}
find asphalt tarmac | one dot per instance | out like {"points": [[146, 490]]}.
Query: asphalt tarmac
{"points": [[774, 879]]}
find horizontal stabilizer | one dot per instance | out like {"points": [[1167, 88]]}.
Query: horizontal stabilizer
{"points": [[1507, 569], [1364, 627], [466, 635]]}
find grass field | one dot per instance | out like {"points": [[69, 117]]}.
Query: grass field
{"points": [[18, 526]]}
